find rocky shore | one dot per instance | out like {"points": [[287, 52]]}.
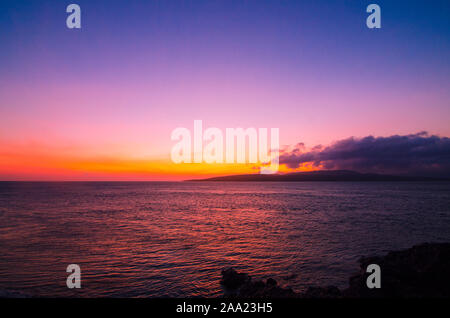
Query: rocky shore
{"points": [[420, 271]]}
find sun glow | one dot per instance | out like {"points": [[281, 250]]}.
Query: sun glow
{"points": [[57, 167]]}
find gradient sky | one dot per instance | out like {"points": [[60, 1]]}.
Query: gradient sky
{"points": [[100, 103]]}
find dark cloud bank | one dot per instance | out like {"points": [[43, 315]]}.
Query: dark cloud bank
{"points": [[418, 154]]}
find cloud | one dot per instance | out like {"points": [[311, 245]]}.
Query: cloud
{"points": [[415, 154]]}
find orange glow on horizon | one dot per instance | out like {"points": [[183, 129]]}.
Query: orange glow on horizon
{"points": [[44, 166]]}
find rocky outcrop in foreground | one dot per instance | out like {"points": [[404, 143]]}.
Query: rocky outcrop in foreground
{"points": [[421, 271]]}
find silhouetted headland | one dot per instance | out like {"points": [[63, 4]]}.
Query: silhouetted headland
{"points": [[322, 175], [421, 271]]}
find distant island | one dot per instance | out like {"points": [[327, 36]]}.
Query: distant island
{"points": [[322, 175]]}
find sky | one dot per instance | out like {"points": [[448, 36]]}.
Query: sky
{"points": [[100, 102]]}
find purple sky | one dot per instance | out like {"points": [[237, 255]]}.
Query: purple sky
{"points": [[138, 69]]}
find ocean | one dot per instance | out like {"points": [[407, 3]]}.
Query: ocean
{"points": [[172, 239]]}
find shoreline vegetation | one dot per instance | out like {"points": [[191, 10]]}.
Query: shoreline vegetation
{"points": [[321, 175], [422, 271]]}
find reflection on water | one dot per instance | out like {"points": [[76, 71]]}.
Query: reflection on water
{"points": [[172, 239]]}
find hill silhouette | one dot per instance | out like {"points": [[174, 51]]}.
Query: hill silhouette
{"points": [[322, 175]]}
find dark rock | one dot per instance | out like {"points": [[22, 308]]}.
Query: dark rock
{"points": [[421, 271], [322, 292], [241, 285], [233, 280], [259, 289], [271, 282]]}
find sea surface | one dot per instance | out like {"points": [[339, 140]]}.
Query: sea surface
{"points": [[171, 239]]}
